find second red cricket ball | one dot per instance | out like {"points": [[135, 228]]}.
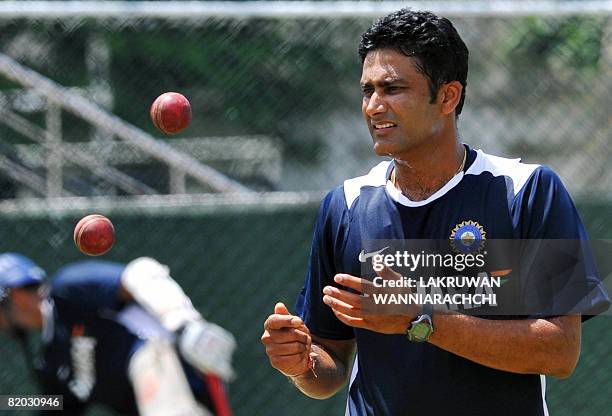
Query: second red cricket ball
{"points": [[94, 234], [171, 112]]}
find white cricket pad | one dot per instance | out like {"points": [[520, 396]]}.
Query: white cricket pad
{"points": [[151, 285], [209, 348], [159, 383]]}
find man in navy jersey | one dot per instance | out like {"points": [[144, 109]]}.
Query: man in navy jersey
{"points": [[124, 336], [414, 71]]}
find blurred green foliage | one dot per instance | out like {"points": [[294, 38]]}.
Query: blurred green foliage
{"points": [[271, 67], [575, 41]]}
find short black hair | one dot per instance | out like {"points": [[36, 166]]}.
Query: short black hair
{"points": [[433, 41]]}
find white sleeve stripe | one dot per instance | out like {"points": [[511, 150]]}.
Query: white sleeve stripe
{"points": [[543, 386], [376, 177], [353, 377], [518, 172]]}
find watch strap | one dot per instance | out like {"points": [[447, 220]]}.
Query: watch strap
{"points": [[428, 310]]}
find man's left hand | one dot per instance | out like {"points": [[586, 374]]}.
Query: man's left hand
{"points": [[360, 310]]}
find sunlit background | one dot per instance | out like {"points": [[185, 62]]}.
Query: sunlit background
{"points": [[229, 203]]}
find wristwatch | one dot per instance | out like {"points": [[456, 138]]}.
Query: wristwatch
{"points": [[422, 327]]}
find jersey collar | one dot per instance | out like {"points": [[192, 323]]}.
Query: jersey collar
{"points": [[402, 199]]}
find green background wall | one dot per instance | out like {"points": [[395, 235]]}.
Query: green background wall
{"points": [[235, 264]]}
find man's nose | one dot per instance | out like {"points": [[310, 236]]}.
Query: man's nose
{"points": [[376, 105]]}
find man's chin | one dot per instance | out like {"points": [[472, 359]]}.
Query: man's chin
{"points": [[383, 149]]}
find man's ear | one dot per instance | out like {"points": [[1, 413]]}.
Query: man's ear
{"points": [[449, 96]]}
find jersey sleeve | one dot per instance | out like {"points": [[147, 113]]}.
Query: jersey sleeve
{"points": [[88, 286], [328, 239], [558, 271]]}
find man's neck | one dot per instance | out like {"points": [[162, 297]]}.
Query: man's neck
{"points": [[422, 173]]}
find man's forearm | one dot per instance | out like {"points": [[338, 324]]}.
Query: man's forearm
{"points": [[531, 346], [326, 378]]}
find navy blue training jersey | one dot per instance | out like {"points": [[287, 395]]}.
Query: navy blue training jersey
{"points": [[493, 196], [89, 336]]}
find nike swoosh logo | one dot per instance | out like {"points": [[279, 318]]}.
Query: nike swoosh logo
{"points": [[363, 256]]}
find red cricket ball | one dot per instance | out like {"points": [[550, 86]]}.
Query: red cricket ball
{"points": [[171, 112], [94, 234]]}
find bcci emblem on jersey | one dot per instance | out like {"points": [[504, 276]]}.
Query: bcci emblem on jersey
{"points": [[468, 237]]}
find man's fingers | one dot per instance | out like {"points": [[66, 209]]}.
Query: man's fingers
{"points": [[279, 321], [349, 320], [338, 305], [286, 360], [287, 341], [286, 335], [356, 283], [343, 295], [290, 348], [388, 273], [290, 365], [281, 309]]}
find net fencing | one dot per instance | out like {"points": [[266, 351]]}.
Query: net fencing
{"points": [[274, 88], [276, 99]]}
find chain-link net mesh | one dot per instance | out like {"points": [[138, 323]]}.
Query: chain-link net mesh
{"points": [[276, 107], [283, 94]]}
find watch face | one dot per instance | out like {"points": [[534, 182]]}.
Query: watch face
{"points": [[420, 331]]}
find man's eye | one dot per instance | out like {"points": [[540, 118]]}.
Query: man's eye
{"points": [[366, 92], [394, 89]]}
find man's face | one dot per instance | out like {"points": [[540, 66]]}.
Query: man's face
{"points": [[396, 103], [24, 308]]}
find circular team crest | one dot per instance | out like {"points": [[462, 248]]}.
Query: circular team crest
{"points": [[468, 237]]}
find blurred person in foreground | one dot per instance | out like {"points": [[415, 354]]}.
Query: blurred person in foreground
{"points": [[414, 71], [124, 336]]}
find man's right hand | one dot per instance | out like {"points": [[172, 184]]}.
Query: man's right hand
{"points": [[288, 342]]}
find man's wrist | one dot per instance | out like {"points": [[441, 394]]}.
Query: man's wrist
{"points": [[404, 321], [300, 376], [421, 328], [301, 380], [309, 372]]}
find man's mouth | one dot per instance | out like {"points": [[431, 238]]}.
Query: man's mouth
{"points": [[383, 125]]}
